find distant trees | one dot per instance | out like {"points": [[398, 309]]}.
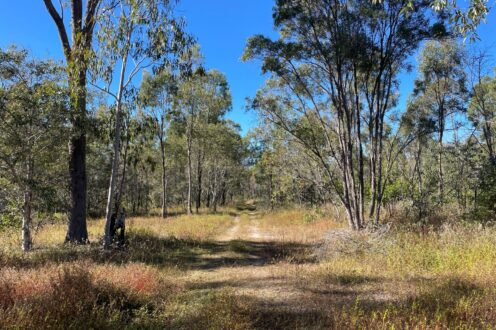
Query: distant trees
{"points": [[156, 95], [441, 91], [482, 105], [202, 99]]}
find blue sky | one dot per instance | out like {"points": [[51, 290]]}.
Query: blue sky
{"points": [[221, 27]]}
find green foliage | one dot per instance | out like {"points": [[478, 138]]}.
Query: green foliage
{"points": [[485, 202], [33, 119]]}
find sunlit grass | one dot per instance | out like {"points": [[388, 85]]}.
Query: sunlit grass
{"points": [[297, 225], [396, 280]]}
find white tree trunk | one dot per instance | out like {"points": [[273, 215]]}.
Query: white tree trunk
{"points": [[115, 159]]}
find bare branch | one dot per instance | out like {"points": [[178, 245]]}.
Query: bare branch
{"points": [[60, 27]]}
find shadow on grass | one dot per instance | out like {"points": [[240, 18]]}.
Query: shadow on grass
{"points": [[445, 303], [184, 254]]}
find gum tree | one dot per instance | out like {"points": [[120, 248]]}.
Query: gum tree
{"points": [[333, 80], [77, 50], [32, 119], [134, 36]]}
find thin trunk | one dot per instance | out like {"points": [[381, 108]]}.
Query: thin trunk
{"points": [[440, 164], [26, 216], [207, 201], [123, 178], [420, 179], [489, 141], [164, 176], [271, 202], [146, 192], [119, 193], [214, 195], [199, 172], [116, 156], [223, 195], [188, 207]]}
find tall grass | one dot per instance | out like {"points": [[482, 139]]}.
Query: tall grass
{"points": [[297, 225], [398, 280]]}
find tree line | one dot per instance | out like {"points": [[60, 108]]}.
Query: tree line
{"points": [[146, 128]]}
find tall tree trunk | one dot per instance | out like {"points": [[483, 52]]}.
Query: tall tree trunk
{"points": [[164, 194], [214, 196], [164, 176], [223, 195], [271, 202], [26, 215], [440, 162], [116, 144], [76, 56], [77, 231], [488, 136], [207, 202], [199, 172], [188, 207], [119, 193], [113, 177], [147, 192]]}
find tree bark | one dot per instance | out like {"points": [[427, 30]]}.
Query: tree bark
{"points": [[116, 156], [27, 242], [189, 210], [440, 161], [189, 142], [77, 62], [77, 230], [164, 172], [199, 173]]}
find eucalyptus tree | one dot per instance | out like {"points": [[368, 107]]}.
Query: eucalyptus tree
{"points": [[133, 36], [216, 101], [482, 103], [77, 54], [417, 123], [156, 95], [201, 98], [333, 80], [441, 90], [32, 119], [223, 159]]}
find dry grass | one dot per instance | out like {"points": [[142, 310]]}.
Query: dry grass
{"points": [[174, 274], [297, 225]]}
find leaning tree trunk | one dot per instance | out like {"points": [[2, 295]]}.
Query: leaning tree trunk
{"points": [[119, 193], [113, 178], [116, 145]]}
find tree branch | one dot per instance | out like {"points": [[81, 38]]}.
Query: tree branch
{"points": [[60, 27]]}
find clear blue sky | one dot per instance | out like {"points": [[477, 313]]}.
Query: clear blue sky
{"points": [[221, 27]]}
